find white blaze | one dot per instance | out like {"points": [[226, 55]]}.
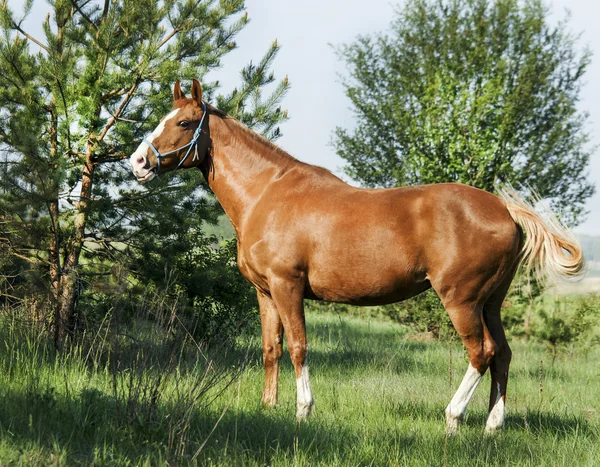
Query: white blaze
{"points": [[142, 149]]}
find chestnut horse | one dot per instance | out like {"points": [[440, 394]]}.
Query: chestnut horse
{"points": [[304, 233]]}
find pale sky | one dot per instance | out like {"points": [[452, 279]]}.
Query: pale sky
{"points": [[316, 102]]}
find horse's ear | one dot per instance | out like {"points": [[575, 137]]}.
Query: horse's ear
{"points": [[197, 91], [177, 93]]}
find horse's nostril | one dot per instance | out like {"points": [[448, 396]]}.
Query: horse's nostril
{"points": [[140, 160]]}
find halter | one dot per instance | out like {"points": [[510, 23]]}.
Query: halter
{"points": [[191, 144]]}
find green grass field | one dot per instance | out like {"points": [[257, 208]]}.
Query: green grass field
{"points": [[380, 400]]}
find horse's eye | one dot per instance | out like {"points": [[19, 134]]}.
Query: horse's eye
{"points": [[184, 124]]}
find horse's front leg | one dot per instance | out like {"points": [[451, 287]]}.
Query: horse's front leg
{"points": [[288, 296], [272, 346]]}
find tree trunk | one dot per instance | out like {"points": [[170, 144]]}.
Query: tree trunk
{"points": [[67, 292], [55, 270], [65, 310]]}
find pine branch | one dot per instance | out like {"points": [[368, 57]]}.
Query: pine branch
{"points": [[17, 70], [66, 109], [18, 28], [120, 109], [12, 83], [7, 295], [24, 258], [168, 37], [110, 157], [80, 11], [102, 240], [111, 94], [121, 119]]}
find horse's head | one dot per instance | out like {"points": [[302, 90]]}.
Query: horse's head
{"points": [[180, 140]]}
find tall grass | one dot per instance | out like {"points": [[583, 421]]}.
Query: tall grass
{"points": [[380, 399], [111, 398]]}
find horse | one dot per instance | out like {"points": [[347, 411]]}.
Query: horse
{"points": [[303, 233]]}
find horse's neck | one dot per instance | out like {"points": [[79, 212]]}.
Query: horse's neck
{"points": [[242, 167]]}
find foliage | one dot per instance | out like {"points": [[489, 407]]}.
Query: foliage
{"points": [[470, 91], [515, 315], [525, 296], [73, 105], [559, 327], [216, 300], [423, 313]]}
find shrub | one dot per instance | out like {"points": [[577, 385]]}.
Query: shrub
{"points": [[423, 313], [569, 322]]}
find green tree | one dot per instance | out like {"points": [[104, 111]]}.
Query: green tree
{"points": [[473, 91], [75, 103]]}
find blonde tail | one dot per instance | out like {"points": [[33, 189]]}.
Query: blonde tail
{"points": [[550, 250]]}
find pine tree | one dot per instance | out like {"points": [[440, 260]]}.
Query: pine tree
{"points": [[76, 102]]}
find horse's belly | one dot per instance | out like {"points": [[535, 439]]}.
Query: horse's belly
{"points": [[366, 284]]}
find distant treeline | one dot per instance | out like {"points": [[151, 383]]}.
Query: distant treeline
{"points": [[591, 247]]}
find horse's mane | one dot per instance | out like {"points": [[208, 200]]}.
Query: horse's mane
{"points": [[255, 136], [252, 134]]}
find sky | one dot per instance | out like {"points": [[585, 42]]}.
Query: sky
{"points": [[308, 32]]}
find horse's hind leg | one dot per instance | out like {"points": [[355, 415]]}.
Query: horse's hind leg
{"points": [[501, 362], [272, 345], [499, 371], [468, 321]]}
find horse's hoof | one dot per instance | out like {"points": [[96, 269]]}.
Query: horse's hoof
{"points": [[495, 421], [304, 411], [268, 402], [268, 406], [491, 430], [452, 424]]}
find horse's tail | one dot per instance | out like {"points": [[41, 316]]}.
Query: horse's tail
{"points": [[550, 250]]}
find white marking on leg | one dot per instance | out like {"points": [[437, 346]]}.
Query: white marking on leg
{"points": [[304, 396], [495, 419], [457, 407]]}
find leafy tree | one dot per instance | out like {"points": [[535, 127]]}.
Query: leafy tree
{"points": [[473, 91], [75, 103]]}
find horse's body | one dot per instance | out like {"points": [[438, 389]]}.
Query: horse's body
{"points": [[373, 247], [304, 233]]}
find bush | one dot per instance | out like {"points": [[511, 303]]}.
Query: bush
{"points": [[423, 313], [569, 322], [203, 292], [524, 297]]}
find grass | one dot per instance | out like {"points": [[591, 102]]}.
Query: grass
{"points": [[380, 399]]}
